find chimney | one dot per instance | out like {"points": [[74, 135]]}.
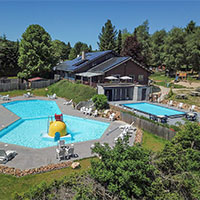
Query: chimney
{"points": [[83, 55]]}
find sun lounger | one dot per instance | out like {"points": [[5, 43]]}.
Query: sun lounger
{"points": [[6, 98], [51, 96], [5, 156], [67, 102], [129, 126], [28, 94]]}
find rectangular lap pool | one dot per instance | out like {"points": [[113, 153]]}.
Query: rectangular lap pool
{"points": [[153, 109]]}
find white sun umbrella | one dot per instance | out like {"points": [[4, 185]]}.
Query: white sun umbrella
{"points": [[111, 78], [126, 78]]}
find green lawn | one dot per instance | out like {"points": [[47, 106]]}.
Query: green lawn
{"points": [[192, 100], [10, 184], [152, 142], [36, 92]]}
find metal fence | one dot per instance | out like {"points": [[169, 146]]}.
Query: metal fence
{"points": [[161, 131], [15, 84]]}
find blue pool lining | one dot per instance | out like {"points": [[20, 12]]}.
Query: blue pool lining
{"points": [[170, 116]]}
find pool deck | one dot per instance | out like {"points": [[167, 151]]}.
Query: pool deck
{"points": [[28, 158]]}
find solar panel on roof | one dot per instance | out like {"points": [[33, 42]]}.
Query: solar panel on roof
{"points": [[109, 64], [74, 64]]}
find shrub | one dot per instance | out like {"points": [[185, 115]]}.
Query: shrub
{"points": [[100, 101], [170, 94]]}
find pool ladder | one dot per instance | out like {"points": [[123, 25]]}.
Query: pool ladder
{"points": [[50, 118]]}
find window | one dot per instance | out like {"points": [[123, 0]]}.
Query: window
{"points": [[140, 78], [133, 77]]}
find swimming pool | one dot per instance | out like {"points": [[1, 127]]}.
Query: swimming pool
{"points": [[28, 130], [153, 109]]}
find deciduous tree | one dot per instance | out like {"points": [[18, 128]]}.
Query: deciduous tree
{"points": [[60, 50], [36, 53], [133, 48], [157, 48]]}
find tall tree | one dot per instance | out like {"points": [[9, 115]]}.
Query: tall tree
{"points": [[157, 48], [72, 54], [119, 42], [9, 52], [60, 50], [36, 53], [78, 48], [191, 27], [143, 36], [133, 48], [107, 37], [193, 50], [174, 50], [125, 34]]}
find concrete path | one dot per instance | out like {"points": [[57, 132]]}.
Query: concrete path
{"points": [[30, 158]]}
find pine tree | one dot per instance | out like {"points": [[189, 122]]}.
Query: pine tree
{"points": [[107, 37], [191, 27], [119, 42], [90, 48], [133, 48]]}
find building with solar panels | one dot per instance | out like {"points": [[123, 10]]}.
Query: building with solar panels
{"points": [[119, 78]]}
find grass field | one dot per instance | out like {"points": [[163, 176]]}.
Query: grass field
{"points": [[191, 100], [152, 142], [10, 184]]}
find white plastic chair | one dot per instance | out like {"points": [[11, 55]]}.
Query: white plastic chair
{"points": [[82, 109], [89, 111], [85, 111], [192, 108], [51, 96], [180, 105], [112, 117], [95, 113], [170, 103]]}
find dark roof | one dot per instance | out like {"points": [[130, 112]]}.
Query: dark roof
{"points": [[77, 63], [108, 64], [35, 79]]}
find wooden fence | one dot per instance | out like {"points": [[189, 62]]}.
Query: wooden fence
{"points": [[156, 129], [16, 85]]}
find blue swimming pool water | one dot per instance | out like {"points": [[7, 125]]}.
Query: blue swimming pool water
{"points": [[33, 108], [154, 109], [28, 130]]}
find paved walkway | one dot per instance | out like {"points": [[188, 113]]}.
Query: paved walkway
{"points": [[30, 158]]}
